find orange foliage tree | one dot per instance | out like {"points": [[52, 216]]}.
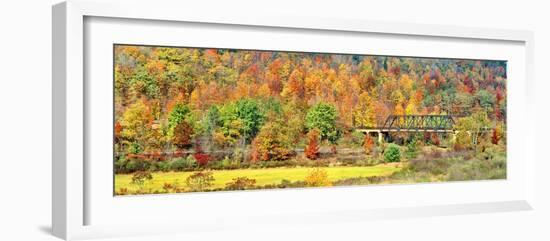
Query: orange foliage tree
{"points": [[495, 137], [182, 135], [368, 144], [312, 148]]}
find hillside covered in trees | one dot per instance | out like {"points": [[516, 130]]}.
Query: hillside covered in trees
{"points": [[232, 109]]}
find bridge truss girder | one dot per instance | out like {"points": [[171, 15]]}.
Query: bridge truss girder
{"points": [[418, 123]]}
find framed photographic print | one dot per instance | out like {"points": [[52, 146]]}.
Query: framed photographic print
{"points": [[181, 115]]}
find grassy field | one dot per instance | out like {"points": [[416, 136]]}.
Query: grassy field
{"points": [[262, 176]]}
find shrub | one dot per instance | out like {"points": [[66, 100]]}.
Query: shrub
{"points": [[122, 191], [286, 184], [318, 178], [191, 161], [163, 166], [312, 148], [199, 181], [135, 164], [120, 164], [134, 148], [392, 153], [228, 163], [240, 183], [201, 157], [139, 178], [182, 164], [167, 187]]}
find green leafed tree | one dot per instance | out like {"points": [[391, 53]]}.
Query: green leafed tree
{"points": [[323, 117], [251, 116], [179, 113], [212, 120], [142, 83], [486, 99], [230, 126]]}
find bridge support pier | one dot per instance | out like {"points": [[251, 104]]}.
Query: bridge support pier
{"points": [[379, 135]]}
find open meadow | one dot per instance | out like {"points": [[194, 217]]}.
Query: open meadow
{"points": [[263, 177]]}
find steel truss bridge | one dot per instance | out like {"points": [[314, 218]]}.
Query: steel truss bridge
{"points": [[412, 123]]}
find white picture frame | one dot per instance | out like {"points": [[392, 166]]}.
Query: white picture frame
{"points": [[72, 191]]}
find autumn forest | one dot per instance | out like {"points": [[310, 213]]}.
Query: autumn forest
{"points": [[195, 119]]}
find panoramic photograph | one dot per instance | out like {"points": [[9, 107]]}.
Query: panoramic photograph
{"points": [[190, 119]]}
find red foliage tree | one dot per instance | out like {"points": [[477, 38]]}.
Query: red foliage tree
{"points": [[201, 157], [312, 148], [499, 95], [498, 114]]}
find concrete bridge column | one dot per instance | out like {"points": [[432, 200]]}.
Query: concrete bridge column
{"points": [[380, 137]]}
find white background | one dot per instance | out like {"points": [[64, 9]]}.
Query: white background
{"points": [[25, 133]]}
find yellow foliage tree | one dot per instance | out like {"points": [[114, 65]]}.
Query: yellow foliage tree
{"points": [[406, 83], [364, 113], [411, 107], [136, 123]]}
